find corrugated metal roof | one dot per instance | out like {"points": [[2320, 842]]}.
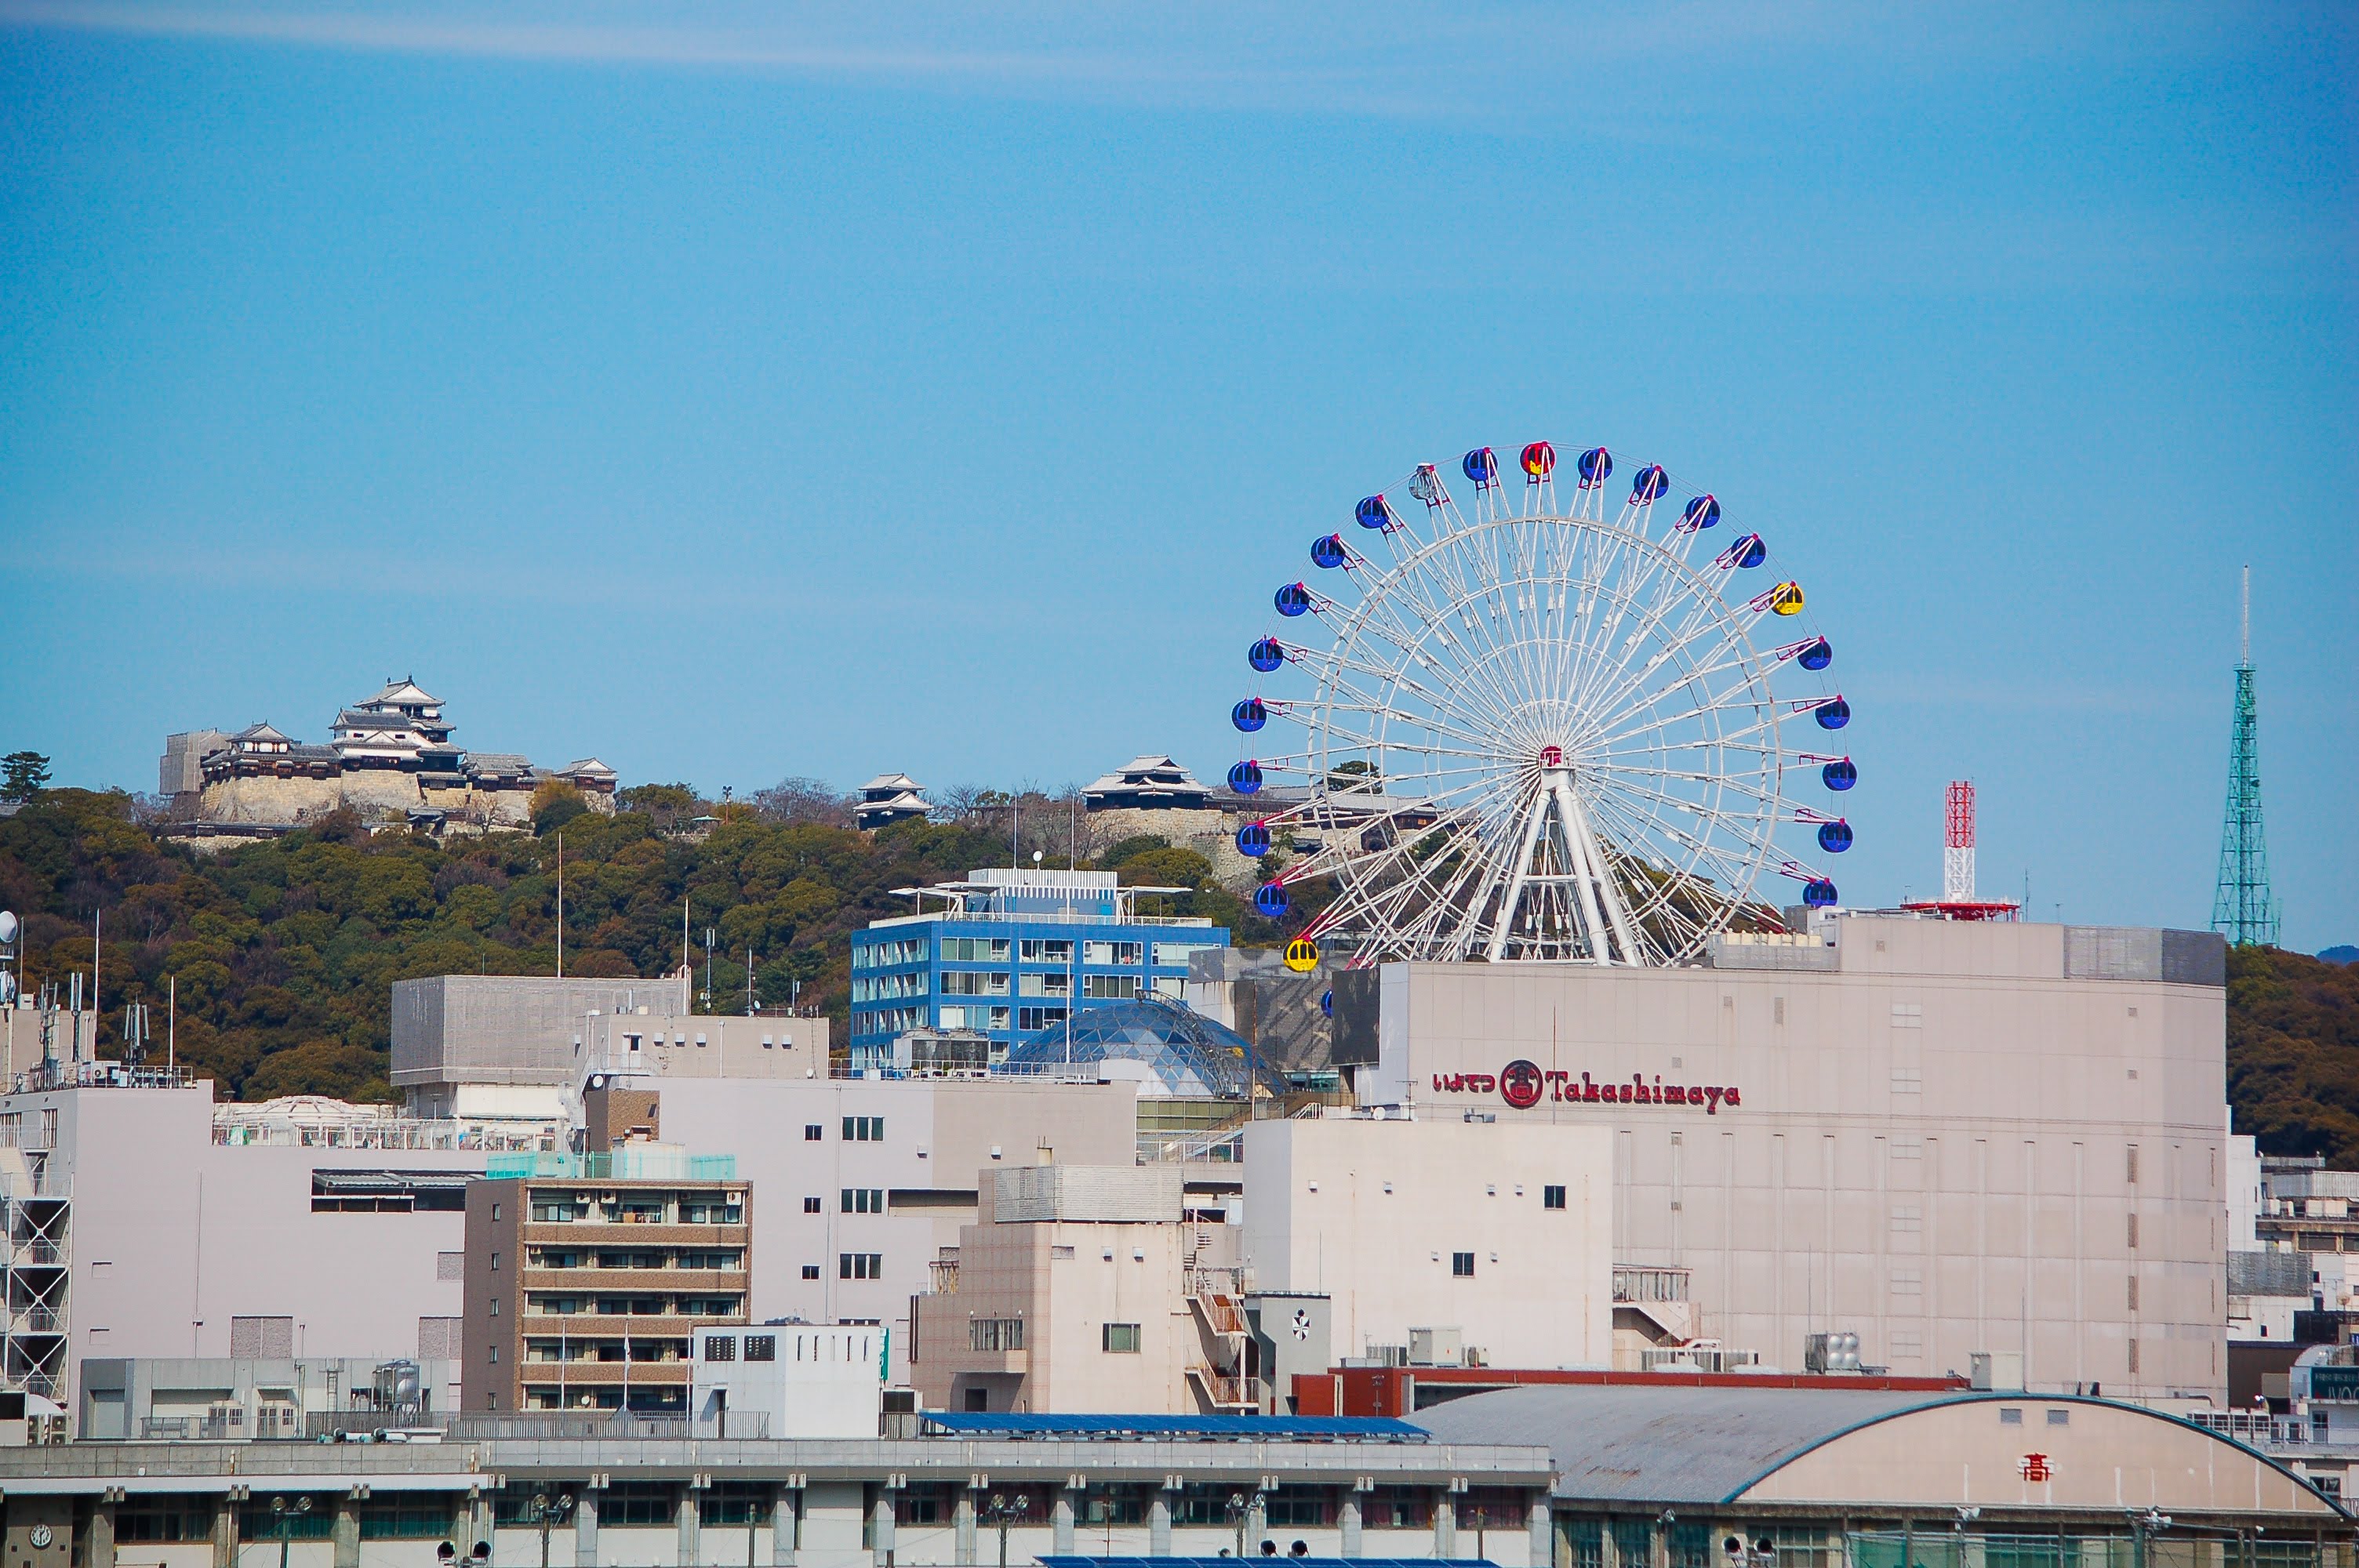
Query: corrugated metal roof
{"points": [[1376, 1429], [1619, 1442]]}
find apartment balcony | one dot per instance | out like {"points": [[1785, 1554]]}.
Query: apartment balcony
{"points": [[637, 1281], [37, 1320], [603, 1374], [582, 1325], [632, 1233], [39, 1255]]}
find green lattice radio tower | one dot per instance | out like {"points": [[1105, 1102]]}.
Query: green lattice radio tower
{"points": [[2243, 909]]}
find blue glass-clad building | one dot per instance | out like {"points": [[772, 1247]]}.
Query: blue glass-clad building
{"points": [[1011, 951]]}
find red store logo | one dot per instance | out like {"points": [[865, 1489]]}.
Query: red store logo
{"points": [[1523, 1084]]}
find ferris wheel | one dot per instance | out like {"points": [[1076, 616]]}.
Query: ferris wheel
{"points": [[1528, 730]]}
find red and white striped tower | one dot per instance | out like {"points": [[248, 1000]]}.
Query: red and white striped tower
{"points": [[1958, 901], [1958, 847]]}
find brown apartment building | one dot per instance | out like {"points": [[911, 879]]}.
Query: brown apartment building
{"points": [[586, 1275]]}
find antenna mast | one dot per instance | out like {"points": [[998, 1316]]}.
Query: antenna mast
{"points": [[2244, 910]]}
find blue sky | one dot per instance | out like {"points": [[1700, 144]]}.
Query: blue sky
{"points": [[732, 392]]}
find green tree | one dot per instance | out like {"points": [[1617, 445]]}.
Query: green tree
{"points": [[23, 774]]}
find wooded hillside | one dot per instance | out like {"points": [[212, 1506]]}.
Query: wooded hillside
{"points": [[2293, 1053], [285, 950]]}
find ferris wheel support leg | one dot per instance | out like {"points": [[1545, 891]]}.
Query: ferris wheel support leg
{"points": [[1581, 858], [1607, 894], [1512, 897]]}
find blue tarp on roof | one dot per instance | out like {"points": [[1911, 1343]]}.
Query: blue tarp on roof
{"points": [[1290, 1561], [1313, 1427]]}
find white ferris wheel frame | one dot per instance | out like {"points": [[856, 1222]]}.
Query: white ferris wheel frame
{"points": [[1573, 736]]}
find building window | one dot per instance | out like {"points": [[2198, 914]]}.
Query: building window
{"points": [[496, 1355], [995, 1334], [1462, 1265], [811, 1270], [1120, 1339], [495, 1211], [974, 949], [2133, 1305], [1048, 951], [863, 1200], [2132, 1231], [496, 1307], [864, 1129], [496, 1262], [1028, 1019], [811, 1205], [721, 1348], [2060, 1418], [638, 1502], [1114, 954], [2010, 1418], [1552, 1197], [1299, 1507], [2133, 1164], [860, 1266], [761, 1347], [1109, 987], [813, 1132], [2134, 1357]]}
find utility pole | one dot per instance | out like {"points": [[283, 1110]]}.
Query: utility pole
{"points": [[560, 903], [709, 935], [749, 980]]}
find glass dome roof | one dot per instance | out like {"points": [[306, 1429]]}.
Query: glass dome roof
{"points": [[1169, 1049]]}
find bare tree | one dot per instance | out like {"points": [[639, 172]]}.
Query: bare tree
{"points": [[801, 802]]}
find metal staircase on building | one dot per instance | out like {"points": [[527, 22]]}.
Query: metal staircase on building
{"points": [[1215, 1296]]}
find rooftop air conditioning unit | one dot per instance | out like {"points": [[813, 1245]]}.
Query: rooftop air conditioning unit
{"points": [[1837, 1352]]}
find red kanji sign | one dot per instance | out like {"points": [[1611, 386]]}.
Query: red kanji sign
{"points": [[2037, 1468]]}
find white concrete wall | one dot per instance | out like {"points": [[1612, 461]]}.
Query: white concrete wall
{"points": [[174, 1235], [939, 1135], [1370, 1212], [1930, 1146]]}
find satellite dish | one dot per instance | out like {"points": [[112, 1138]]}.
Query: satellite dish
{"points": [[7, 928]]}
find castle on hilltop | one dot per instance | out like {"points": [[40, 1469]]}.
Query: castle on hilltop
{"points": [[389, 757]]}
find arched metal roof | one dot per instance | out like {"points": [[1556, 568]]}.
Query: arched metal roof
{"points": [[1637, 1443]]}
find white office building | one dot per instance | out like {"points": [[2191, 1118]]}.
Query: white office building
{"points": [[1945, 1136]]}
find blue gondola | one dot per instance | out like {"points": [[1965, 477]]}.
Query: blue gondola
{"points": [[1327, 551], [1818, 894], [1482, 466], [1649, 484], [1748, 551], [1293, 599], [1833, 713], [1817, 656], [1839, 774], [1249, 715], [1372, 512], [1271, 899], [1253, 841], [1835, 838], [1266, 654], [1326, 1004], [1596, 466], [1246, 778], [1701, 513]]}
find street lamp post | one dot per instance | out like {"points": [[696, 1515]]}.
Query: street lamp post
{"points": [[545, 1512], [1240, 1512], [283, 1515], [1003, 1510]]}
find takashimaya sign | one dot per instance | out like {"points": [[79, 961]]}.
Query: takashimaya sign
{"points": [[1523, 1084]]}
